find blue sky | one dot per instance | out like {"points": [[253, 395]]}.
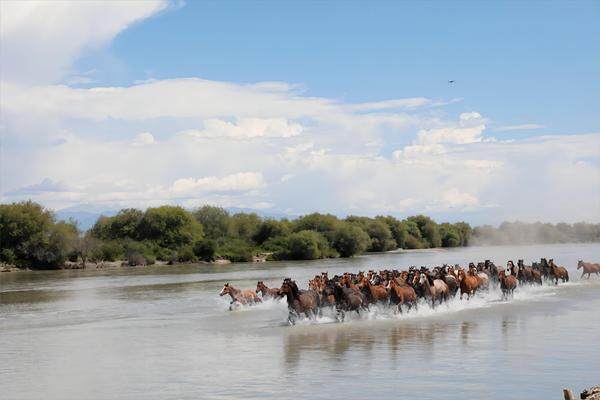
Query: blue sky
{"points": [[293, 107], [547, 53]]}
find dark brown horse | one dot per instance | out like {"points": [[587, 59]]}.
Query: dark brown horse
{"points": [[267, 292], [558, 272], [299, 301], [508, 283], [347, 299], [239, 296], [588, 268]]}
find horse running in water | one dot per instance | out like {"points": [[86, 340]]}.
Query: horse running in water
{"points": [[527, 274], [558, 272], [468, 283], [436, 290], [588, 268], [402, 294], [508, 283], [267, 292], [347, 299], [373, 293], [299, 301], [239, 296]]}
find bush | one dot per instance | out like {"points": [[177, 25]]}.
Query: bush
{"points": [[186, 254], [305, 245], [205, 249], [349, 240], [236, 250]]}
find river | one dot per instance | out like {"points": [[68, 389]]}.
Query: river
{"points": [[164, 333]]}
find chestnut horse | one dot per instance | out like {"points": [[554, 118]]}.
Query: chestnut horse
{"points": [[299, 301], [468, 283], [401, 294], [266, 292], [508, 283], [239, 296], [373, 293], [558, 272], [588, 268]]}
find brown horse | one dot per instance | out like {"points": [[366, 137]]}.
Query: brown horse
{"points": [[239, 296], [588, 268], [468, 283], [558, 272], [508, 283], [374, 293], [402, 294], [266, 292], [299, 301]]}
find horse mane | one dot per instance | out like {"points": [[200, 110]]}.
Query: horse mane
{"points": [[295, 290]]}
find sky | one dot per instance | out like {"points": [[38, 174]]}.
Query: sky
{"points": [[343, 107]]}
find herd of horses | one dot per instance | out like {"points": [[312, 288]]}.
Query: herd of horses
{"points": [[403, 290]]}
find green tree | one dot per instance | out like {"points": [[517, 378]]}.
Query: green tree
{"points": [[307, 245], [214, 220], [244, 225], [349, 239], [170, 227], [429, 230], [30, 236], [270, 228]]}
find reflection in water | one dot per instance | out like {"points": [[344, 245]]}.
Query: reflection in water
{"points": [[336, 340], [75, 331]]}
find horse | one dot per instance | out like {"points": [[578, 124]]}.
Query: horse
{"points": [[558, 272], [429, 288], [299, 301], [588, 268], [373, 293], [508, 283], [266, 292], [524, 273], [401, 294], [468, 283], [347, 299], [239, 296]]}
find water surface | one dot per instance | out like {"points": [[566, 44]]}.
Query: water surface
{"points": [[163, 332]]}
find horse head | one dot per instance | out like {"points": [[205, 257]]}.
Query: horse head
{"points": [[226, 289]]}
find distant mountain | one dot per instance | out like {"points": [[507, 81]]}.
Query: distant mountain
{"points": [[84, 215]]}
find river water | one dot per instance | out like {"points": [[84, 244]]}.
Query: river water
{"points": [[164, 333]]}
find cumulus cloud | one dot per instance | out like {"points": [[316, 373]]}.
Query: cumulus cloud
{"points": [[261, 144], [143, 139], [41, 39], [242, 181], [247, 128]]}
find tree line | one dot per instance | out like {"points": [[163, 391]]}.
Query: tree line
{"points": [[30, 236]]}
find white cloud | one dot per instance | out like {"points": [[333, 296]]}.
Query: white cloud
{"points": [[523, 127], [247, 128], [93, 145], [143, 139], [41, 39], [242, 181], [468, 130]]}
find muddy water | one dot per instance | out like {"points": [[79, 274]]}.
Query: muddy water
{"points": [[163, 332]]}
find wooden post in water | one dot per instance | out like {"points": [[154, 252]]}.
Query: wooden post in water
{"points": [[568, 394]]}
